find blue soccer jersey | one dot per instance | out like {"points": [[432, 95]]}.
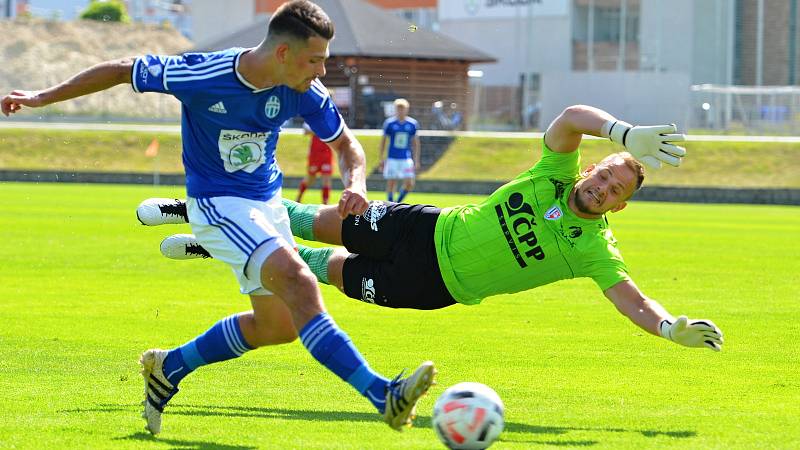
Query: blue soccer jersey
{"points": [[400, 135], [230, 128]]}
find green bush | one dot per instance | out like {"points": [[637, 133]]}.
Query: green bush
{"points": [[106, 11]]}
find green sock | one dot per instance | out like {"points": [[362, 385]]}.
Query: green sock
{"points": [[301, 218], [317, 260]]}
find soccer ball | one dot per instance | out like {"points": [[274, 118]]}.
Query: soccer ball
{"points": [[468, 416]]}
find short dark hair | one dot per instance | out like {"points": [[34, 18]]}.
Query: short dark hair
{"points": [[300, 19]]}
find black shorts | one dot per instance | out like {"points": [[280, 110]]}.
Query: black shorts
{"points": [[394, 257]]}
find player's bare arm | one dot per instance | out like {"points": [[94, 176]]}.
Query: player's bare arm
{"points": [[94, 79], [381, 149], [352, 165], [565, 133], [417, 151], [650, 316], [652, 145]]}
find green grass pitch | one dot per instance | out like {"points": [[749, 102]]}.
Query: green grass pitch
{"points": [[84, 291]]}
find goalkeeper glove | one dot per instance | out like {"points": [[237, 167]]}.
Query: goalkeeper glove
{"points": [[650, 145], [692, 333]]}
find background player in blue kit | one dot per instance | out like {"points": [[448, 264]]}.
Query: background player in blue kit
{"points": [[233, 103], [404, 149]]}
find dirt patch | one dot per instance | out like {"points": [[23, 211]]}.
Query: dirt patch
{"points": [[37, 54]]}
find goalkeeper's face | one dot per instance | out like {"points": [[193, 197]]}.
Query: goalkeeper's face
{"points": [[605, 187]]}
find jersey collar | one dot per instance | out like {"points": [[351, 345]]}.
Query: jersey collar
{"points": [[242, 79]]}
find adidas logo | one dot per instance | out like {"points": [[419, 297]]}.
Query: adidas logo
{"points": [[218, 108]]}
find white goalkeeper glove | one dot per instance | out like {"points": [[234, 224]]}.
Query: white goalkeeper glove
{"points": [[650, 145], [692, 333]]}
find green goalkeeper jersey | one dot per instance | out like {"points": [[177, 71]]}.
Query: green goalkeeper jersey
{"points": [[524, 236]]}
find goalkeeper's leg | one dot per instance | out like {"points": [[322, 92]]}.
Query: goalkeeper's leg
{"points": [[381, 282], [319, 223]]}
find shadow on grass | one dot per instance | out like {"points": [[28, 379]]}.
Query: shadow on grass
{"points": [[551, 443], [354, 416], [181, 444]]}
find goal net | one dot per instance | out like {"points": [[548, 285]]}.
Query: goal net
{"points": [[771, 109]]}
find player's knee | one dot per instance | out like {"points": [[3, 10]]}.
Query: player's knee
{"points": [[291, 277], [285, 274], [298, 288]]}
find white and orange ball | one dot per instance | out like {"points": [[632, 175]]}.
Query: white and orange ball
{"points": [[468, 416]]}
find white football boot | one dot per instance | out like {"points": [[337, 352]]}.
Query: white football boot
{"points": [[183, 246], [402, 395], [157, 389], [161, 211]]}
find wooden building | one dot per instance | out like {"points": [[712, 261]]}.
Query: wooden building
{"points": [[377, 57]]}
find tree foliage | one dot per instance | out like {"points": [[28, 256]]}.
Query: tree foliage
{"points": [[106, 11]]}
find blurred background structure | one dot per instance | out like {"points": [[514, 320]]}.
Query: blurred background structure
{"points": [[726, 65]]}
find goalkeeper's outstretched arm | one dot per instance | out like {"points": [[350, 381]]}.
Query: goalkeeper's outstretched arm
{"points": [[649, 315], [652, 145]]}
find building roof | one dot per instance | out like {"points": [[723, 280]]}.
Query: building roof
{"points": [[363, 29]]}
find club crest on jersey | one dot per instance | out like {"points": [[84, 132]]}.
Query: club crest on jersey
{"points": [[272, 107], [553, 213], [242, 150]]}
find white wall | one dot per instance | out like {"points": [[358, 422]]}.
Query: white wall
{"points": [[212, 20], [536, 44], [636, 97], [666, 35], [471, 9], [712, 52]]}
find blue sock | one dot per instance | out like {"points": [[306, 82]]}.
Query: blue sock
{"points": [[402, 195], [221, 342], [390, 196], [332, 347]]}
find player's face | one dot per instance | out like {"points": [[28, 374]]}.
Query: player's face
{"points": [[306, 62], [401, 112], [606, 188]]}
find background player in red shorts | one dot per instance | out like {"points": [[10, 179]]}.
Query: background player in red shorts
{"points": [[320, 162]]}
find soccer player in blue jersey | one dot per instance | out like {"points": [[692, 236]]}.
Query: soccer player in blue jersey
{"points": [[234, 102], [404, 148]]}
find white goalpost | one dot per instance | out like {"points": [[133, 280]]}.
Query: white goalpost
{"points": [[758, 108]]}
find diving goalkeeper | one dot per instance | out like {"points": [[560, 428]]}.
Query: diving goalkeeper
{"points": [[546, 225]]}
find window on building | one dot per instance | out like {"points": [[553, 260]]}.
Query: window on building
{"points": [[605, 34]]}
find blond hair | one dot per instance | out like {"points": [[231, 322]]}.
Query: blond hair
{"points": [[401, 102]]}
